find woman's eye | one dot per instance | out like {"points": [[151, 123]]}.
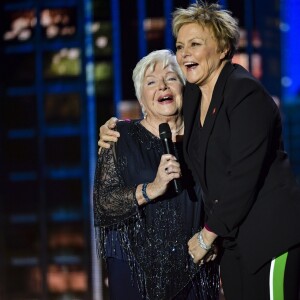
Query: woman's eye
{"points": [[150, 82], [178, 47], [172, 78]]}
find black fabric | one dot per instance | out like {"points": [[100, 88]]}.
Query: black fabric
{"points": [[240, 284], [250, 192], [292, 275], [120, 282], [154, 236], [123, 284]]}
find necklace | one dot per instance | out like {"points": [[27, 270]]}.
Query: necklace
{"points": [[176, 131]]}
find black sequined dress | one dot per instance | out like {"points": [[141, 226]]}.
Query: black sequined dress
{"points": [[152, 238]]}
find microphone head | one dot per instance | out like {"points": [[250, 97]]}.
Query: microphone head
{"points": [[165, 131]]}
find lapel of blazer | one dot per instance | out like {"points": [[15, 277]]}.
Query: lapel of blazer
{"points": [[215, 105], [191, 102]]}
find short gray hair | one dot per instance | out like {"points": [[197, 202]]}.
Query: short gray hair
{"points": [[223, 25], [167, 57]]}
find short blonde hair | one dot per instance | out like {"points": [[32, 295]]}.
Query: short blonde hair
{"points": [[223, 25], [167, 57]]}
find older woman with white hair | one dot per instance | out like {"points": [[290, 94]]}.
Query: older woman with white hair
{"points": [[143, 225]]}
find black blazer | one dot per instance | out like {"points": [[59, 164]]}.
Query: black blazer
{"points": [[249, 191]]}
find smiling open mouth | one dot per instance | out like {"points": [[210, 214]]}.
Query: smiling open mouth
{"points": [[190, 65], [166, 98]]}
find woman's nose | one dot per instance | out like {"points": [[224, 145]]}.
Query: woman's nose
{"points": [[163, 85], [184, 52]]}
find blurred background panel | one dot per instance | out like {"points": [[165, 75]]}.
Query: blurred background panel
{"points": [[66, 67]]}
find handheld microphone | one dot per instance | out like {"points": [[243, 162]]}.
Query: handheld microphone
{"points": [[166, 138]]}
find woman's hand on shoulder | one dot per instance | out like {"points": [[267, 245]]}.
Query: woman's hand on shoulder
{"points": [[108, 134]]}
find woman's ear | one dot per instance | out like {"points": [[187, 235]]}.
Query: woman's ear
{"points": [[223, 54], [144, 112]]}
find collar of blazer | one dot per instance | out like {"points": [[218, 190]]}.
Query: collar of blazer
{"points": [[191, 101]]}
